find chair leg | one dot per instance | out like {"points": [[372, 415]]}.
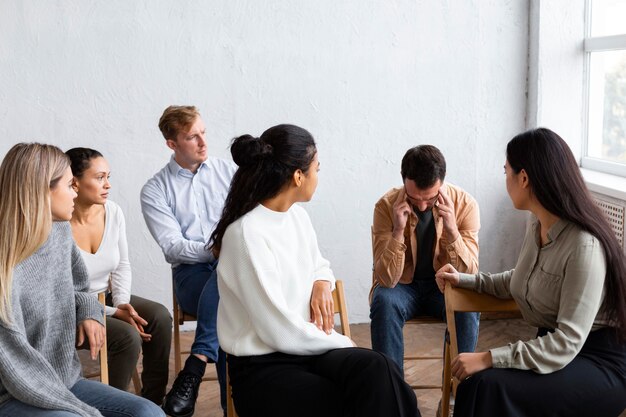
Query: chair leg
{"points": [[447, 380], [177, 361], [104, 358], [136, 382], [230, 405]]}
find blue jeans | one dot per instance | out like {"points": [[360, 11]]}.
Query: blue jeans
{"points": [[110, 401], [392, 307], [196, 292]]}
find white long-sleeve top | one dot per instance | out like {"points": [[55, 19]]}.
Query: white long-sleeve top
{"points": [[268, 263], [111, 259]]}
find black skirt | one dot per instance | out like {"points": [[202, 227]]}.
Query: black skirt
{"points": [[592, 385]]}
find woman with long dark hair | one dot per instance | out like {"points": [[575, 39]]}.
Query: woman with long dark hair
{"points": [[275, 316], [569, 281]]}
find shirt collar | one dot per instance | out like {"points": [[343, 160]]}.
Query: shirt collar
{"points": [[553, 232], [176, 169]]}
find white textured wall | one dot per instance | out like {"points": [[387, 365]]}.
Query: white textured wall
{"points": [[368, 78]]}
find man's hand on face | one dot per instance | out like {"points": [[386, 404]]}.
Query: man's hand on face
{"points": [[445, 207], [401, 211]]}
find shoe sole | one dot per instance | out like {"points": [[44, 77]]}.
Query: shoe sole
{"points": [[177, 415]]}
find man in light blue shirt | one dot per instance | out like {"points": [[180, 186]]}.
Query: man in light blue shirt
{"points": [[181, 205]]}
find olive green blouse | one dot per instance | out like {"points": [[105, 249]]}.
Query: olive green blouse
{"points": [[558, 286]]}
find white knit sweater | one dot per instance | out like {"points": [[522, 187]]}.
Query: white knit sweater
{"points": [[268, 263]]}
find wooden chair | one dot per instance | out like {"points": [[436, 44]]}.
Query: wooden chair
{"points": [[463, 300], [339, 301], [103, 373], [180, 317]]}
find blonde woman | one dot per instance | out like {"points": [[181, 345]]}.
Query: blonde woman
{"points": [[133, 323], [45, 309]]}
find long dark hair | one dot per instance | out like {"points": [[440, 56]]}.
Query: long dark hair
{"points": [[266, 165], [558, 185]]}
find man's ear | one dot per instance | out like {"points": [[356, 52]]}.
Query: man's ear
{"points": [[171, 144]]}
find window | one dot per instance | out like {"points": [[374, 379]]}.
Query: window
{"points": [[605, 80]]}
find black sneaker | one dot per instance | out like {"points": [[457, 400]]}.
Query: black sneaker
{"points": [[181, 400]]}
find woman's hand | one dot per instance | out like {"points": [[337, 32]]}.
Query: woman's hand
{"points": [[322, 307], [94, 332], [127, 313], [467, 364], [447, 273]]}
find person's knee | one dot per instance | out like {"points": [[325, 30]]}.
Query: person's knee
{"points": [[484, 379], [385, 304], [146, 408], [371, 362], [126, 341], [162, 318]]}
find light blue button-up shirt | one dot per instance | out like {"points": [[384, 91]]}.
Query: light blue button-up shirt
{"points": [[181, 208]]}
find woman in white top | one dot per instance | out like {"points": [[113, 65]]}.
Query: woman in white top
{"points": [[569, 281], [275, 316], [133, 323]]}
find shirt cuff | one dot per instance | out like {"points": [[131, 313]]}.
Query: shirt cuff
{"points": [[500, 357], [467, 281]]}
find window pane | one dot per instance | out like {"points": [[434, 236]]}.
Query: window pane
{"points": [[608, 17], [607, 106]]}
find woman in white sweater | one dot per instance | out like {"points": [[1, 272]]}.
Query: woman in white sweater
{"points": [[133, 323], [275, 316]]}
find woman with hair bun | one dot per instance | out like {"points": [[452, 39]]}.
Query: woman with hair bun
{"points": [[275, 316], [133, 324], [569, 281]]}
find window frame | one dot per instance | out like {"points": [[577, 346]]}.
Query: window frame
{"points": [[591, 45]]}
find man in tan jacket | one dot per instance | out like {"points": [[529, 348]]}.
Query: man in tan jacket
{"points": [[418, 228]]}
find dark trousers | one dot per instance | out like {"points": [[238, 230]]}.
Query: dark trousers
{"points": [[342, 382], [593, 384], [124, 345], [197, 294]]}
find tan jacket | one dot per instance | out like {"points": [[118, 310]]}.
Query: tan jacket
{"points": [[394, 261]]}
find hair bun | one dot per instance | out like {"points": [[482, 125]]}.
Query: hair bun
{"points": [[248, 150]]}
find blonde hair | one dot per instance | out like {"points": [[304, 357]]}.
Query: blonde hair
{"points": [[27, 174], [175, 118]]}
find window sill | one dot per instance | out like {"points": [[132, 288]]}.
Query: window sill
{"points": [[607, 184]]}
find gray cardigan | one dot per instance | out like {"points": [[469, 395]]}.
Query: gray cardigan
{"points": [[38, 360]]}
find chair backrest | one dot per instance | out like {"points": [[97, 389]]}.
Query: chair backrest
{"points": [[339, 301], [103, 373], [463, 300]]}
